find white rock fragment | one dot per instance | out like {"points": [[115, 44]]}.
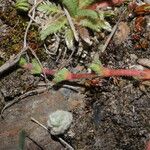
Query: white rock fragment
{"points": [[144, 62], [59, 121], [137, 67]]}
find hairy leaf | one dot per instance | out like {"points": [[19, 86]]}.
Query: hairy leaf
{"points": [[61, 75], [69, 38], [22, 61], [53, 27], [36, 67], [48, 8], [96, 66], [22, 5], [104, 25], [87, 13], [90, 24], [71, 5]]}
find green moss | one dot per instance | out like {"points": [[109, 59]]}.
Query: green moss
{"points": [[1, 62], [12, 42]]}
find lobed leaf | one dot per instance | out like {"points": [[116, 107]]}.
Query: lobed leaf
{"points": [[87, 13], [53, 27], [71, 5], [104, 25], [48, 8], [90, 24], [22, 5]]}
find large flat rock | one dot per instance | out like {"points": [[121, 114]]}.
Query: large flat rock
{"points": [[18, 117]]}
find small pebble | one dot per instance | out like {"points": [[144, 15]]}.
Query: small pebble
{"points": [[137, 67], [144, 62]]}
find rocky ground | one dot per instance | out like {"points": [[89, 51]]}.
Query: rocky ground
{"points": [[113, 115]]}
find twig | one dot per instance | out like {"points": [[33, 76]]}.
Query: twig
{"points": [[65, 143], [32, 17], [40, 124], [33, 9], [29, 93], [59, 138], [34, 54], [12, 61], [71, 24], [112, 33], [26, 32]]}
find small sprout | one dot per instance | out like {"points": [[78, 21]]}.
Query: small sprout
{"points": [[97, 67], [59, 121], [22, 62], [36, 67], [22, 5], [61, 75]]}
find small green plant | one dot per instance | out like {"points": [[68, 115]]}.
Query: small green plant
{"points": [[80, 16], [51, 18], [96, 67], [22, 5]]}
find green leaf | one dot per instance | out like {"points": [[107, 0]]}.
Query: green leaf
{"points": [[48, 8], [36, 67], [61, 75], [22, 136], [22, 5], [90, 24], [87, 13], [69, 38], [96, 66], [53, 27], [105, 25], [71, 5], [22, 61], [85, 3]]}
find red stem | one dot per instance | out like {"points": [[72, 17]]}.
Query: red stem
{"points": [[141, 74], [145, 74], [81, 76], [48, 71]]}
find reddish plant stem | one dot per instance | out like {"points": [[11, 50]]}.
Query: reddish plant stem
{"points": [[28, 66], [81, 76], [143, 74], [148, 145], [48, 71]]}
